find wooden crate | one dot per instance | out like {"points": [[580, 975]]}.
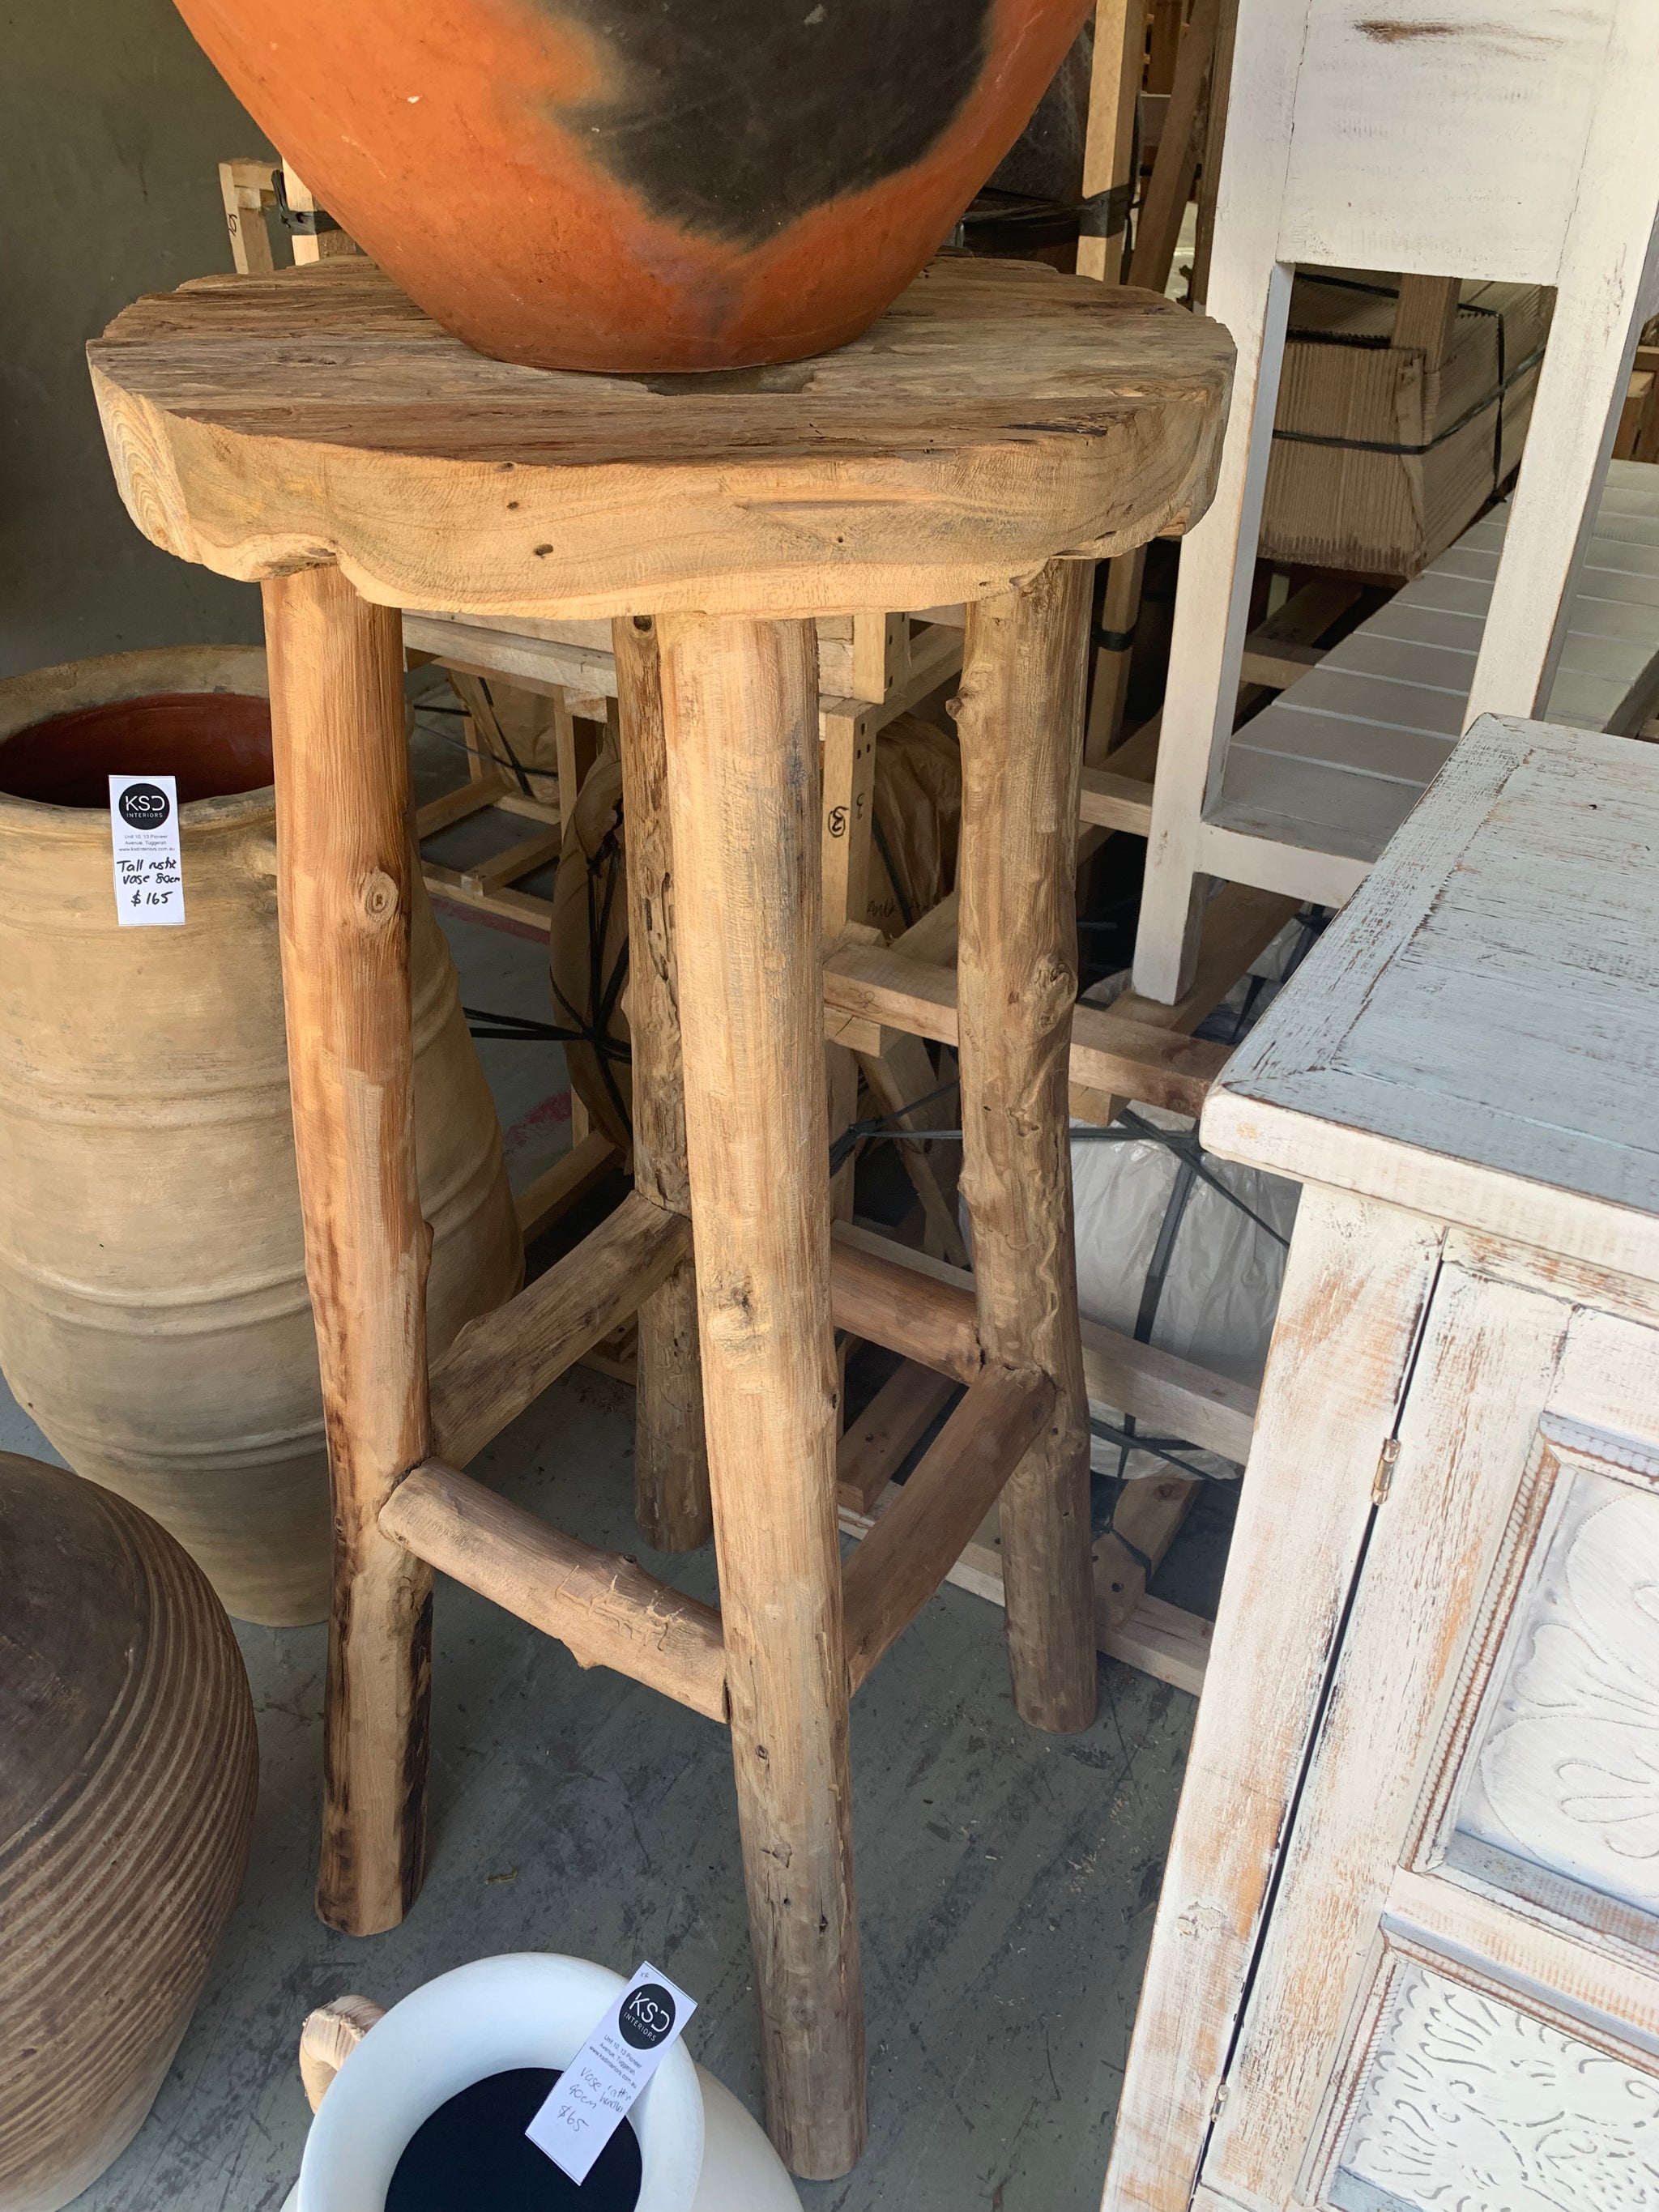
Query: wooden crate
{"points": [[1384, 454]]}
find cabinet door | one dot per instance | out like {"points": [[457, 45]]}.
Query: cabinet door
{"points": [[1456, 2000]]}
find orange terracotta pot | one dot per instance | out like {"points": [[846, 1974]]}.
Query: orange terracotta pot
{"points": [[643, 184]]}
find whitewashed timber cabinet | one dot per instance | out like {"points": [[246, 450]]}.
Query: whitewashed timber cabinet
{"points": [[1407, 1956]]}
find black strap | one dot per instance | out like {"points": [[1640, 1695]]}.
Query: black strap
{"points": [[1102, 214], [299, 222], [1114, 641], [1375, 341], [1381, 446]]}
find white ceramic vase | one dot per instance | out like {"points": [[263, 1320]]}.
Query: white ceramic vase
{"points": [[699, 2149]]}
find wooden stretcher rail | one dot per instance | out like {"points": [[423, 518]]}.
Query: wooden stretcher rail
{"points": [[870, 984], [503, 1361], [925, 1309], [914, 1545], [1160, 1639], [878, 1296], [605, 1609]]}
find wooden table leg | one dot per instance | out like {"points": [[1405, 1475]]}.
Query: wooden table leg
{"points": [[671, 1457], [344, 870], [1019, 716], [740, 703]]}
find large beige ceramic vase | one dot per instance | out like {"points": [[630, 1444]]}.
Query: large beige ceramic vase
{"points": [[154, 1315]]}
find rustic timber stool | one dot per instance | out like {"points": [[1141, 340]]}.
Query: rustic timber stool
{"points": [[315, 430]]}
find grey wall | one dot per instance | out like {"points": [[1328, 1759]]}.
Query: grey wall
{"points": [[112, 125]]}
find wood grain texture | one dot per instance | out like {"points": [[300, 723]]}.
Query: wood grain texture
{"points": [[1513, 928], [343, 890], [1119, 60], [670, 1463], [1020, 720], [873, 1446], [872, 983], [1355, 1285], [739, 701], [1482, 1378], [503, 1361], [1170, 187], [906, 1557], [877, 1285], [328, 2039], [997, 414], [1161, 1640], [605, 1609], [1145, 1521], [875, 1295], [126, 1805]]}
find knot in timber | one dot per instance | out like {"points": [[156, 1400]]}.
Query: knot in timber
{"points": [[1047, 993], [737, 1315], [378, 898]]}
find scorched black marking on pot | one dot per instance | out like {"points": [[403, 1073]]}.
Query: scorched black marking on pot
{"points": [[736, 117]]}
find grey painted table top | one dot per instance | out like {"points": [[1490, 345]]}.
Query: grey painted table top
{"points": [[1477, 1035]]}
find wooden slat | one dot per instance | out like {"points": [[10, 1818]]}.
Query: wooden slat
{"points": [[1170, 188], [540, 664], [565, 1184], [533, 810], [1147, 1520], [876, 1444], [1117, 802], [604, 1609], [501, 1362], [1334, 768], [508, 904], [1277, 666], [1108, 1055], [467, 799], [1161, 1640], [932, 939], [915, 1543], [1176, 1397], [520, 859]]}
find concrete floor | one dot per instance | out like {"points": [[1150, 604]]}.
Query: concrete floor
{"points": [[1007, 1879]]}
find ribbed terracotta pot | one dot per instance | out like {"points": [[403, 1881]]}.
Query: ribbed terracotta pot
{"points": [[643, 184], [127, 1781], [154, 1315]]}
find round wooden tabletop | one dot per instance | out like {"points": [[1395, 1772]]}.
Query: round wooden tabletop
{"points": [[1000, 413]]}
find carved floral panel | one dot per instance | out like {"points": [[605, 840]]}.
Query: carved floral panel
{"points": [[1565, 1769], [1469, 2105]]}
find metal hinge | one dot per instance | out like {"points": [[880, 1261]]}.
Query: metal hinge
{"points": [[1220, 2099], [1383, 1479]]}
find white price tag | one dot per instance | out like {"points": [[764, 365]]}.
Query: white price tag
{"points": [[590, 2098], [143, 820]]}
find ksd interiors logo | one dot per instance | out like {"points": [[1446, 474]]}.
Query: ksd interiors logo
{"points": [[646, 2016], [144, 806]]}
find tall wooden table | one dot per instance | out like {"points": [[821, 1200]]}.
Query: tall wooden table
{"points": [[314, 430]]}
